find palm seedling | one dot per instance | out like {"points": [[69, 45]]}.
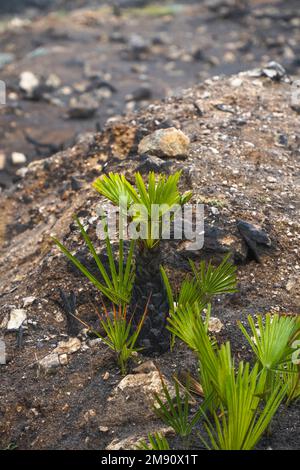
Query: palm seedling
{"points": [[156, 442], [162, 194], [271, 343], [242, 420], [114, 283], [174, 408], [207, 282], [120, 336]]}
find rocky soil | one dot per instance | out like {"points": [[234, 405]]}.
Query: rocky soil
{"points": [[70, 65], [242, 163]]}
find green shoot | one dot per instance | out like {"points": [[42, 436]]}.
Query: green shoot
{"points": [[156, 442], [270, 342], [120, 337], [117, 284], [206, 283], [242, 421], [161, 191], [175, 412]]}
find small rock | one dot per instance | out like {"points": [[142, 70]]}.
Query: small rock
{"points": [[291, 284], [28, 83], [27, 301], [50, 362], [130, 442], [148, 384], [17, 318], [138, 45], [214, 210], [89, 415], [274, 71], [18, 158], [63, 359], [68, 347], [215, 325], [169, 142], [53, 81], [236, 82], [255, 238], [105, 376], [225, 108], [2, 161], [103, 429], [145, 368]]}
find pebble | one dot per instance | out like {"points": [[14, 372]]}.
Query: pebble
{"points": [[17, 318], [138, 44], [50, 362], [18, 158], [145, 368], [68, 347], [236, 82], [105, 376], [103, 429], [2, 161], [274, 71], [28, 83], [27, 301], [63, 359], [169, 143], [53, 81], [215, 325]]}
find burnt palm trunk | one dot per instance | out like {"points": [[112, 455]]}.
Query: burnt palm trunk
{"points": [[149, 286]]}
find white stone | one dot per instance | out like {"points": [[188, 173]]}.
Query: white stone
{"points": [[236, 82], [63, 359], [17, 318], [28, 82], [2, 161], [215, 325], [28, 301], [18, 158], [68, 347]]}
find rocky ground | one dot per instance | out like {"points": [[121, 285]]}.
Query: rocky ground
{"points": [[242, 163], [70, 65]]}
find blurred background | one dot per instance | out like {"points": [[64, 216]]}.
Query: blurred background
{"points": [[70, 65]]}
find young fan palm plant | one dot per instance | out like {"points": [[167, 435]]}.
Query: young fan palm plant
{"points": [[207, 282], [242, 420], [271, 342], [161, 192]]}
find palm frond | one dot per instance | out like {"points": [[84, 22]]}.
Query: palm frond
{"points": [[271, 340], [161, 191], [157, 441], [215, 280], [118, 281], [242, 421]]}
